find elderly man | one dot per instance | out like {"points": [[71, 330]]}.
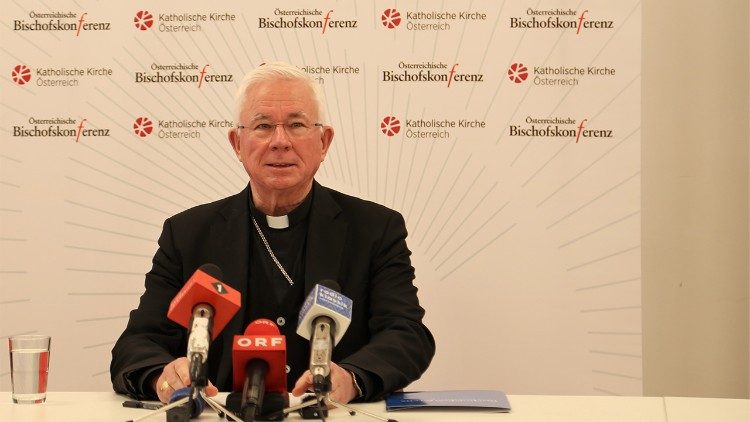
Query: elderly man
{"points": [[274, 241]]}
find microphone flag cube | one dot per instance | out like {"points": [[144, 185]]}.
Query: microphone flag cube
{"points": [[260, 341], [323, 301], [204, 288]]}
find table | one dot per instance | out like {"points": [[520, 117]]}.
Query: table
{"points": [[690, 409], [105, 406]]}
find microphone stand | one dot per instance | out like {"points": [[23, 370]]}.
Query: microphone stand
{"points": [[326, 399], [198, 388], [322, 389], [194, 392], [322, 341]]}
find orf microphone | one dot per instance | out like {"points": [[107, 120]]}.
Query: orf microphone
{"points": [[204, 306], [323, 319], [259, 366]]}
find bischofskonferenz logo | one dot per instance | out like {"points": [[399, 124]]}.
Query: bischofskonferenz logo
{"points": [[428, 20], [436, 72], [560, 128], [559, 18], [177, 22], [182, 73], [307, 18], [59, 128], [57, 21]]}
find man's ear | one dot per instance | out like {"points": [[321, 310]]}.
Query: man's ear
{"points": [[234, 140], [326, 138]]}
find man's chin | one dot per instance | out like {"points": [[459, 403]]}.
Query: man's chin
{"points": [[281, 183]]}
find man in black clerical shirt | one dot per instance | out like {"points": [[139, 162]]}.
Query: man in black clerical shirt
{"points": [[274, 241]]}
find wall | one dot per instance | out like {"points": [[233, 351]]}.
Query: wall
{"points": [[516, 163], [695, 203], [695, 198]]}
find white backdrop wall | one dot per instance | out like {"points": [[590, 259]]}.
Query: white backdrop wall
{"points": [[507, 133]]}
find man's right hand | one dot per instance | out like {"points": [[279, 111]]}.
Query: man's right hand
{"points": [[174, 376]]}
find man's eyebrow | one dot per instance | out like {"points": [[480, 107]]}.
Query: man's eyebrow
{"points": [[292, 115], [259, 116], [297, 114]]}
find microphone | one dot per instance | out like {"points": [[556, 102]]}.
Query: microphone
{"points": [[204, 306], [323, 319], [259, 367], [190, 410]]}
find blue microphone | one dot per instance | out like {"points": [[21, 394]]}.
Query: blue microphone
{"points": [[323, 319]]}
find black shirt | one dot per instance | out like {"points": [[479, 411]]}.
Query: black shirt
{"points": [[287, 245]]}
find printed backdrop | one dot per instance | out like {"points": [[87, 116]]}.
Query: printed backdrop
{"points": [[507, 133]]}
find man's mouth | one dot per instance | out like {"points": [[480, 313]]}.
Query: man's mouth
{"points": [[280, 165]]}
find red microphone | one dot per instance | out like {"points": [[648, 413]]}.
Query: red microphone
{"points": [[259, 364], [204, 306]]}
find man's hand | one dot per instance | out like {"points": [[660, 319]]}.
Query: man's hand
{"points": [[342, 385], [174, 376]]}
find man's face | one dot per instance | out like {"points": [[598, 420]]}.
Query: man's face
{"points": [[280, 162]]}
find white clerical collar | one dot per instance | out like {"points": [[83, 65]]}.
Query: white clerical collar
{"points": [[280, 222]]}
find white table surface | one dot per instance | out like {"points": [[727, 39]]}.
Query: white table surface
{"points": [[687, 409], [104, 406]]}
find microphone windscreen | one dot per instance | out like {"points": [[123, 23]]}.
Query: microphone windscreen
{"points": [[262, 327], [213, 270], [331, 284], [198, 403]]}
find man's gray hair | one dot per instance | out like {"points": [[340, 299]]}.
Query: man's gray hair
{"points": [[277, 70]]}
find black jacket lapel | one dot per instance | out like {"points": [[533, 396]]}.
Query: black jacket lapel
{"points": [[229, 247]]}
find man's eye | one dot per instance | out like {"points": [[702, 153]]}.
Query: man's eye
{"points": [[263, 126], [296, 125]]}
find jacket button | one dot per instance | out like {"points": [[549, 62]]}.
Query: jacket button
{"points": [[280, 321]]}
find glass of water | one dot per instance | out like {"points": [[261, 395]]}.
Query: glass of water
{"points": [[29, 367]]}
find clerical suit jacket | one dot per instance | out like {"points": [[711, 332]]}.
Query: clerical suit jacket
{"points": [[357, 243]]}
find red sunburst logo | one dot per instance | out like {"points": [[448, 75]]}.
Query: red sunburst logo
{"points": [[390, 126], [518, 72], [390, 18], [143, 20], [21, 74], [143, 127]]}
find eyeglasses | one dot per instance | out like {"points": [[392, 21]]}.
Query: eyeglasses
{"points": [[296, 129]]}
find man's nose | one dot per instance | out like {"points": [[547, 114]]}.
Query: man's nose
{"points": [[279, 138]]}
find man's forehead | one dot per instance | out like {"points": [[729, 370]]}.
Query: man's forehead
{"points": [[285, 96], [280, 90]]}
